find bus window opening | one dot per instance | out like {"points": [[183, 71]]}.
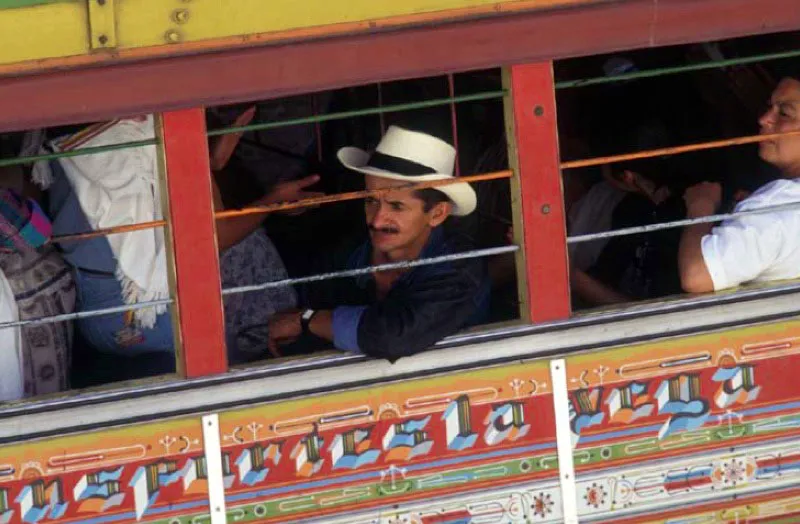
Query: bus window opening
{"points": [[650, 114]]}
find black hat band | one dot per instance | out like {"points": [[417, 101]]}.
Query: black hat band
{"points": [[398, 165]]}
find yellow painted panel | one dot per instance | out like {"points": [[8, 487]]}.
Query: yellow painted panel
{"points": [[45, 31], [58, 34], [147, 22]]}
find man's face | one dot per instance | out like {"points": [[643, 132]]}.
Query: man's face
{"points": [[397, 219], [783, 115]]}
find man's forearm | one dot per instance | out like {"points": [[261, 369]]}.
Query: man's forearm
{"points": [[694, 274], [594, 291], [231, 231], [322, 324], [702, 200]]}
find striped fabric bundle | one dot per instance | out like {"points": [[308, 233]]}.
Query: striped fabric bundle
{"points": [[23, 225]]}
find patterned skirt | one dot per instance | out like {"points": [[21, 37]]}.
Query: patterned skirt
{"points": [[43, 286]]}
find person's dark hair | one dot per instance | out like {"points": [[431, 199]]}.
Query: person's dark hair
{"points": [[430, 197], [787, 68]]}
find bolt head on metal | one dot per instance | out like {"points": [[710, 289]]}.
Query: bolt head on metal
{"points": [[545, 209], [103, 39], [101, 2], [538, 110], [180, 16], [172, 36]]}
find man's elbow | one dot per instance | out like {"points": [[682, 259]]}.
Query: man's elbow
{"points": [[393, 348], [696, 281]]}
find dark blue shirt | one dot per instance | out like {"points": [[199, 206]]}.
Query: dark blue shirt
{"points": [[424, 305]]}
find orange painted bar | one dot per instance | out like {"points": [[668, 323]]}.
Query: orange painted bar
{"points": [[191, 224], [534, 106]]}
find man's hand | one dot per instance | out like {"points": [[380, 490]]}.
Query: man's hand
{"points": [[293, 191], [702, 199], [284, 328], [223, 147]]}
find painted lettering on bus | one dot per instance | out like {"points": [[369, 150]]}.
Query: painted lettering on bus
{"points": [[505, 422], [254, 462], [352, 449], [41, 500], [678, 398], [737, 385], [99, 491], [148, 480]]}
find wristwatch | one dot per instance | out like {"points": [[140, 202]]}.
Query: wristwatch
{"points": [[305, 319]]}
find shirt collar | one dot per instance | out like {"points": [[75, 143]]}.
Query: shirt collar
{"points": [[361, 256]]}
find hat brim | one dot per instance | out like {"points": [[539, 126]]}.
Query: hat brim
{"points": [[460, 194]]}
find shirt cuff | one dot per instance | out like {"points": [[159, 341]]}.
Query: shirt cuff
{"points": [[345, 327]]}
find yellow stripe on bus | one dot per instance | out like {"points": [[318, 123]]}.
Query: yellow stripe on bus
{"points": [[44, 31], [61, 31]]}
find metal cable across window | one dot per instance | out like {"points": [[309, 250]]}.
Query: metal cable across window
{"points": [[793, 206], [86, 314], [478, 253], [406, 264]]}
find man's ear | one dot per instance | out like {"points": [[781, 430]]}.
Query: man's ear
{"points": [[439, 213]]}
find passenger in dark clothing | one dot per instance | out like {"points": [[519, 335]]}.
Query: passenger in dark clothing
{"points": [[400, 312], [630, 194], [641, 266]]}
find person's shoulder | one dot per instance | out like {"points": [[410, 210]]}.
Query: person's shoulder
{"points": [[456, 243], [450, 242], [774, 222], [773, 193]]}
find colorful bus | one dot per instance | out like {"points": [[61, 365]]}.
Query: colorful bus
{"points": [[676, 409]]}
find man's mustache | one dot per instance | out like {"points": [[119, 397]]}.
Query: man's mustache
{"points": [[384, 230]]}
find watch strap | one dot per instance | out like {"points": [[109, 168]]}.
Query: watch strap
{"points": [[305, 320]]}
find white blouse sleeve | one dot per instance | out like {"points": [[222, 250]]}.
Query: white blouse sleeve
{"points": [[740, 249]]}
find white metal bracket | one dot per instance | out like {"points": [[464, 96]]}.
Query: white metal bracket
{"points": [[566, 467], [213, 454]]}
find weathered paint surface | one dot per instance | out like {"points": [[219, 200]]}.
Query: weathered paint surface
{"points": [[36, 30], [723, 409]]}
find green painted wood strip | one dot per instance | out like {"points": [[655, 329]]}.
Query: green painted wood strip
{"points": [[650, 73], [4, 162], [410, 106], [11, 4]]}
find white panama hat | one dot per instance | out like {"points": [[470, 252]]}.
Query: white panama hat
{"points": [[413, 157]]}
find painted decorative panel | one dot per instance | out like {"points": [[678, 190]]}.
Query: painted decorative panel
{"points": [[693, 429]]}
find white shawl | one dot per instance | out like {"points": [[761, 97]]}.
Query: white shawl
{"points": [[118, 188], [12, 385]]}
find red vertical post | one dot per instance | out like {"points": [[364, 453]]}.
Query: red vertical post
{"points": [[533, 152], [198, 318]]}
